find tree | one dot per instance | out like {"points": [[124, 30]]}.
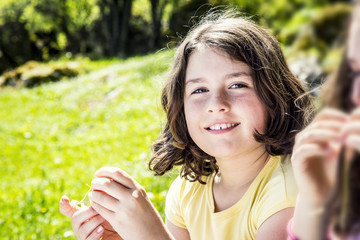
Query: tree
{"points": [[157, 11], [114, 25]]}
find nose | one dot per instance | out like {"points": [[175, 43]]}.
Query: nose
{"points": [[218, 102]]}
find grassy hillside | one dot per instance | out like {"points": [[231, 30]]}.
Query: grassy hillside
{"points": [[54, 137]]}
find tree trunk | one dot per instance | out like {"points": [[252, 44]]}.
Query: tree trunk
{"points": [[157, 10], [115, 11], [8, 58], [124, 30]]}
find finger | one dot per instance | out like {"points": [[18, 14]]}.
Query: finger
{"points": [[104, 212], [306, 153], [355, 115], [117, 175], [349, 132], [353, 141], [331, 114], [326, 124], [66, 208], [319, 136], [110, 187], [96, 234], [81, 216], [90, 226], [353, 127], [104, 200]]}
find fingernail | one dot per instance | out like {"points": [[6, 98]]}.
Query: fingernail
{"points": [[62, 200], [99, 229], [135, 194]]}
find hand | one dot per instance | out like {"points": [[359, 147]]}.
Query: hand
{"points": [[125, 205], [86, 222], [315, 155]]}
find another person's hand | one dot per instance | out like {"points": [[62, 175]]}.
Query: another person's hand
{"points": [[315, 156], [86, 222], [125, 205]]}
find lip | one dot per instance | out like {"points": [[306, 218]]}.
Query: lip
{"points": [[219, 127]]}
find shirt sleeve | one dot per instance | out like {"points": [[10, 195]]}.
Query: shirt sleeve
{"points": [[281, 193], [173, 203]]}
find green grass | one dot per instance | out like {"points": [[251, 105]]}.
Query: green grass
{"points": [[54, 137]]}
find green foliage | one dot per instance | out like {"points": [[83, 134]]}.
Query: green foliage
{"points": [[54, 137], [40, 29], [186, 15], [44, 29], [318, 33], [62, 18]]}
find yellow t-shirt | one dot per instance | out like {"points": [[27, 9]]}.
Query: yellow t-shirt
{"points": [[190, 205]]}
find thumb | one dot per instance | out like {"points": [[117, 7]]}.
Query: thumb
{"points": [[66, 208]]}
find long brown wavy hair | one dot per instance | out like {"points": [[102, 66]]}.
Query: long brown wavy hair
{"points": [[337, 89], [343, 207], [288, 107]]}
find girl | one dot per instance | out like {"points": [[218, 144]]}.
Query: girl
{"points": [[317, 157], [233, 108]]}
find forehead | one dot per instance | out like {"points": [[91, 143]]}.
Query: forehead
{"points": [[207, 59]]}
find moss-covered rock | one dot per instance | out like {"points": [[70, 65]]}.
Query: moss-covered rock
{"points": [[33, 74]]}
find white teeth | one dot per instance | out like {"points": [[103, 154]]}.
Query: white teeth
{"points": [[222, 126]]}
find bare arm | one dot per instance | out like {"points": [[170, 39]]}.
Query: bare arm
{"points": [[178, 232], [315, 160], [274, 228], [308, 222]]}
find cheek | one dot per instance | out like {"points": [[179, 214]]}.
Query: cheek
{"points": [[193, 107], [259, 117], [354, 44], [260, 123], [193, 114], [190, 110], [356, 91]]}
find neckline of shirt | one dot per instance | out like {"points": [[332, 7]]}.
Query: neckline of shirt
{"points": [[234, 209]]}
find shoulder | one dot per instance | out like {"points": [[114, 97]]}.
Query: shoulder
{"points": [[277, 191], [181, 187], [184, 197], [280, 179]]}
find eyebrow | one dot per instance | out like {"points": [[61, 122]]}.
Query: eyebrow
{"points": [[227, 76], [237, 74]]}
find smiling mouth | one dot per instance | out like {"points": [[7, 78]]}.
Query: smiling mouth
{"points": [[222, 126]]}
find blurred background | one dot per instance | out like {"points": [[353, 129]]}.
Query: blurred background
{"points": [[80, 88]]}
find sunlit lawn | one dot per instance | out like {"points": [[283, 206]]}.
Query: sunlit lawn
{"points": [[54, 137]]}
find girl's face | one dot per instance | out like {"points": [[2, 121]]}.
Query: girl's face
{"points": [[353, 54], [222, 109]]}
